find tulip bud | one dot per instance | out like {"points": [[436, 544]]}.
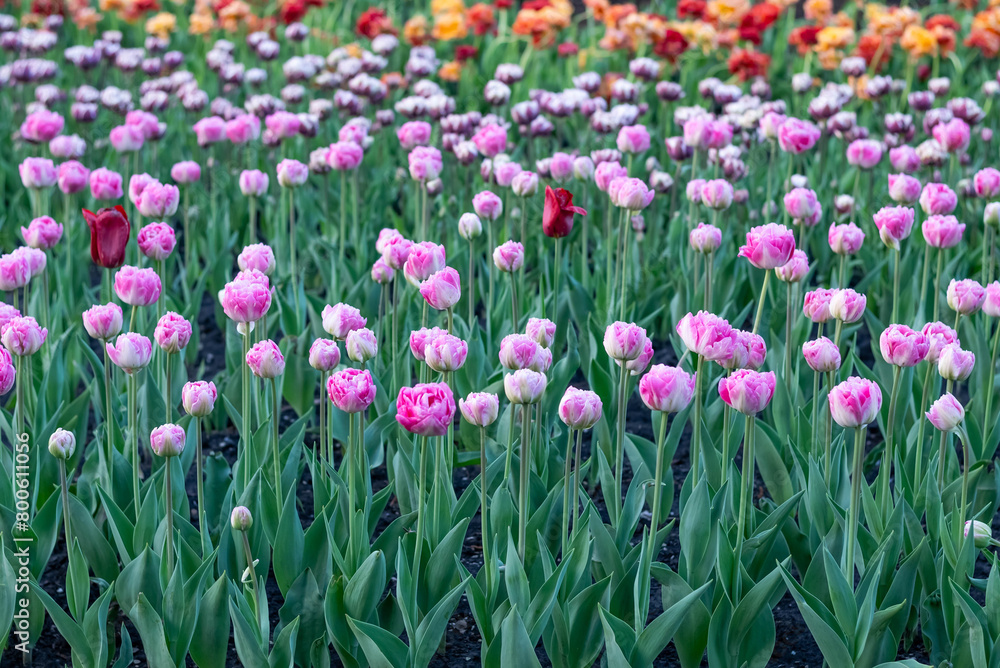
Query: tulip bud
{"points": [[947, 414], [62, 444], [241, 519], [480, 408], [361, 345], [167, 440], [982, 533]]}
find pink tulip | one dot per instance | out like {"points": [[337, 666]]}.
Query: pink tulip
{"points": [[864, 153], [487, 205], [382, 273], [749, 392], [42, 233], [253, 182], [158, 200], [41, 126], [103, 321], [749, 351], [480, 408], [67, 146], [127, 138], [561, 167], [717, 194], [991, 305], [167, 440], [795, 269], [946, 414], [770, 123], [987, 183], [801, 204], [580, 409], [520, 351], [524, 184], [426, 409], [442, 289], [186, 171], [243, 129], [246, 298], [769, 246], [324, 355], [265, 359], [147, 123], [541, 330], [37, 173], [72, 177], [632, 194], [257, 256], [954, 363], [904, 159], [425, 163], [705, 238], [395, 249], [942, 231], [8, 374], [821, 355], [965, 296], [490, 140], [446, 353], [423, 260], [902, 346], [847, 305], [797, 136], [708, 335], [509, 256], [198, 398], [845, 239], [624, 341], [420, 338], [816, 304], [137, 287], [505, 172], [136, 184], [361, 345], [937, 198], [23, 336], [938, 336], [131, 352], [413, 134], [341, 319], [157, 241], [172, 332], [633, 139], [953, 135], [292, 173], [606, 172], [282, 124], [668, 389], [894, 224], [698, 132], [524, 386], [344, 156], [904, 189], [638, 366], [856, 402], [106, 184]]}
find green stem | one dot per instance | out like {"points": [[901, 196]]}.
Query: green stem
{"points": [[760, 303], [616, 496], [887, 453], [421, 484], [857, 473], [925, 275], [244, 454], [256, 588], [133, 428], [202, 527], [522, 504], [64, 493], [943, 445], [937, 284], [987, 422], [746, 486], [567, 479], [576, 477], [919, 458], [168, 493], [654, 523], [696, 440], [483, 503], [109, 432], [275, 449], [895, 287], [342, 237]]}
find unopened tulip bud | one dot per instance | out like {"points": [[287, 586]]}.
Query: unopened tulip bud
{"points": [[167, 440], [362, 345], [62, 444], [946, 414], [241, 519]]}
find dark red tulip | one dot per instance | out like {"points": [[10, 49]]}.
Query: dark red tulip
{"points": [[109, 234], [557, 216]]}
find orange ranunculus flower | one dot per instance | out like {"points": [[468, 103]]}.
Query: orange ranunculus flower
{"points": [[748, 64], [447, 7], [449, 26], [987, 41], [597, 7], [481, 19], [111, 5], [818, 10], [415, 30], [451, 71], [616, 13], [727, 12], [233, 15], [200, 23], [86, 17], [918, 41], [161, 25], [834, 37], [830, 59], [393, 80], [875, 49], [615, 40]]}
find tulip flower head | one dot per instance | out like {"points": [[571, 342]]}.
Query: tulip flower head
{"points": [[902, 346], [965, 296], [769, 246], [668, 389], [247, 298], [42, 233], [480, 408], [894, 224], [795, 269], [62, 444], [105, 185], [946, 414], [131, 352], [351, 390], [822, 355], [167, 440], [198, 398], [509, 256], [22, 336], [524, 386], [157, 241], [938, 336], [341, 319], [172, 333], [904, 189], [847, 305], [265, 359], [361, 345], [103, 321], [856, 402], [942, 231], [109, 234], [424, 259], [954, 363], [845, 239], [557, 215], [137, 287], [708, 335], [442, 289], [938, 199], [747, 391]]}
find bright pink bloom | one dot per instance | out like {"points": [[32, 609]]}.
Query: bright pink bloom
{"points": [[491, 140], [137, 287], [41, 126], [801, 204], [157, 241], [127, 138], [341, 319], [904, 159], [954, 363], [446, 353], [894, 224], [749, 351], [954, 135], [210, 130], [131, 352], [797, 136], [668, 389], [520, 351], [845, 239], [769, 246], [509, 256], [172, 333], [246, 299], [265, 359], [283, 124], [106, 184], [904, 189], [937, 198], [186, 171], [73, 177], [708, 335], [705, 238], [938, 336], [487, 205], [382, 273], [633, 139], [717, 194], [524, 183], [524, 386], [821, 355], [425, 163], [8, 373], [946, 414], [424, 259], [167, 440], [480, 408], [292, 173], [344, 156], [103, 321], [847, 305], [420, 338], [198, 398], [902, 346], [505, 172], [253, 182], [987, 183], [67, 146], [147, 123], [37, 173], [632, 194], [624, 341], [426, 409], [541, 330], [442, 289], [257, 256], [991, 305], [965, 296], [580, 409], [864, 153], [22, 336], [243, 129], [942, 231], [324, 355], [856, 402], [43, 233], [561, 166], [606, 172], [795, 269], [137, 183], [414, 133], [749, 392]]}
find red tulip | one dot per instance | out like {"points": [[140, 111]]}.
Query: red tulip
{"points": [[109, 234], [557, 216]]}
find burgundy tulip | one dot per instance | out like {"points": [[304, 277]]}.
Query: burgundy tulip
{"points": [[557, 216], [109, 234]]}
